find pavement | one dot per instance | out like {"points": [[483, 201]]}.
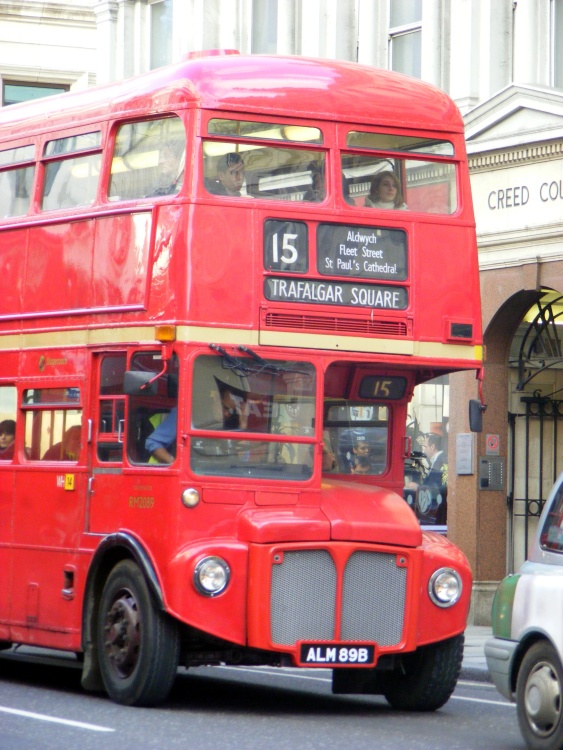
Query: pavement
{"points": [[474, 665]]}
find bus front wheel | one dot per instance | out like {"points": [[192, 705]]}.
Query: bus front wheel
{"points": [[138, 645], [428, 677]]}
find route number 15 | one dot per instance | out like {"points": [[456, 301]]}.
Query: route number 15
{"points": [[285, 246]]}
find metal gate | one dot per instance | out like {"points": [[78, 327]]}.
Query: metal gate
{"points": [[536, 445], [536, 459]]}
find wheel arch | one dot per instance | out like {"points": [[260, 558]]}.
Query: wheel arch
{"points": [[113, 549], [526, 643]]}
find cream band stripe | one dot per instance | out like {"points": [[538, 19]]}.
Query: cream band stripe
{"points": [[202, 335]]}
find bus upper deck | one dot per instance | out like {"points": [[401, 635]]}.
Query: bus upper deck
{"points": [[95, 227]]}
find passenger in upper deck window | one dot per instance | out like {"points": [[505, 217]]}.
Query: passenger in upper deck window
{"points": [[7, 439], [385, 192], [170, 169], [230, 175], [317, 190]]}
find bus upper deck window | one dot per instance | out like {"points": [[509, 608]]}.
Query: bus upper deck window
{"points": [[16, 180], [71, 180], [240, 168], [148, 159], [394, 181], [264, 172]]}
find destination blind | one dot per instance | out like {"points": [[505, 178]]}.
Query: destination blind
{"points": [[362, 252], [344, 293]]}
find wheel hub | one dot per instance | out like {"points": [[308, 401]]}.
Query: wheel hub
{"points": [[543, 699], [122, 634]]}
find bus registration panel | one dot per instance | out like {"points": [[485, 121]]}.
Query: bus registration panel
{"points": [[336, 654]]}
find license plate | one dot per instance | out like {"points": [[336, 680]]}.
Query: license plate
{"points": [[337, 654]]}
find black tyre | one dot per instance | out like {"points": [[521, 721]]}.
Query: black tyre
{"points": [[428, 677], [138, 645], [539, 698]]}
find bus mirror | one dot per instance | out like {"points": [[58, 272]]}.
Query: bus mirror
{"points": [[476, 409], [137, 383]]}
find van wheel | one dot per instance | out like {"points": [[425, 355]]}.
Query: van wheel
{"points": [[138, 645], [538, 698], [428, 677]]}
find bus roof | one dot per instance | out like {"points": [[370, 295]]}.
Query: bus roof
{"points": [[270, 85]]}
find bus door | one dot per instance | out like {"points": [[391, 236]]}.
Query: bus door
{"points": [[48, 518], [108, 405], [124, 482]]}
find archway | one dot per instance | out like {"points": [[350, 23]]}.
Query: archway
{"points": [[535, 414]]}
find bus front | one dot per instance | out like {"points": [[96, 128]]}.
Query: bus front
{"points": [[332, 267]]}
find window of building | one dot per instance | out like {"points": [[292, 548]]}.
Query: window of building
{"points": [[14, 93], [161, 33], [264, 26], [405, 33], [557, 25]]}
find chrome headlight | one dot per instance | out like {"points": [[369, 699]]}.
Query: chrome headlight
{"points": [[445, 587], [211, 576]]}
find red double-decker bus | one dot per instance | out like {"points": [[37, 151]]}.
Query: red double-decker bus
{"points": [[221, 282]]}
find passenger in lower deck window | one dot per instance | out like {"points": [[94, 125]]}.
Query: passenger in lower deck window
{"points": [[68, 449], [161, 443], [329, 460], [7, 439]]}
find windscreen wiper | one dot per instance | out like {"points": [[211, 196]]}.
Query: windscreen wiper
{"points": [[243, 367], [269, 367]]}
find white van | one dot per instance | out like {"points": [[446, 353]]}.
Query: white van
{"points": [[525, 654]]}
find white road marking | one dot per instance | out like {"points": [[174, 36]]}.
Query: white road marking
{"points": [[482, 700], [56, 720]]}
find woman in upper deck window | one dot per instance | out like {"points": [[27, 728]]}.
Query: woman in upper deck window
{"points": [[385, 192]]}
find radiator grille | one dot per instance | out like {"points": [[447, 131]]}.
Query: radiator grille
{"points": [[303, 596], [373, 601], [334, 324]]}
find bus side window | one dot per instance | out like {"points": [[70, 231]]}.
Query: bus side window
{"points": [[111, 415], [67, 448], [15, 191], [71, 182], [148, 159], [7, 422], [53, 424], [152, 418]]}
